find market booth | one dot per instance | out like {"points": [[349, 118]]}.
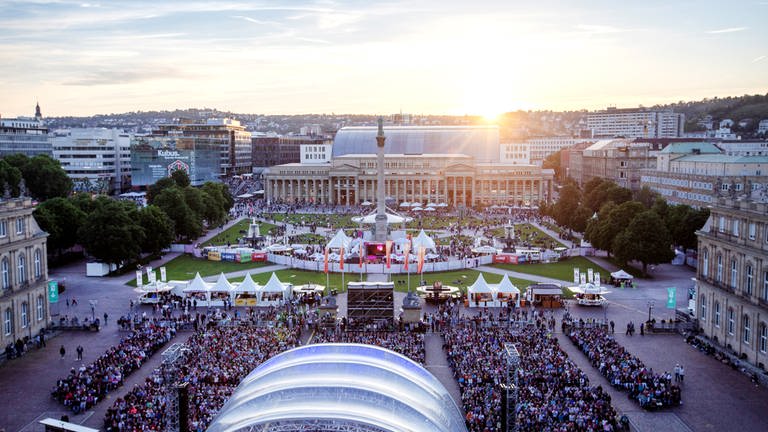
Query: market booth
{"points": [[274, 292], [621, 278], [589, 294], [220, 292], [479, 294], [246, 293], [507, 293], [545, 295], [198, 290]]}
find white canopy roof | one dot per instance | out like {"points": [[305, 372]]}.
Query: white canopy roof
{"points": [[429, 209], [222, 284], [621, 274], [391, 219], [480, 286], [415, 204], [485, 250], [248, 285], [366, 203], [405, 204], [278, 248], [197, 285], [423, 240], [273, 285], [339, 240], [507, 287]]}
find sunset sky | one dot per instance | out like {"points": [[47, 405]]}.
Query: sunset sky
{"points": [[430, 57]]}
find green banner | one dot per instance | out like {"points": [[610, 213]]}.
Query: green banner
{"points": [[53, 291], [671, 298]]}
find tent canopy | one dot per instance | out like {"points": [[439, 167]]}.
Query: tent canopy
{"points": [[273, 285], [340, 240], [485, 250], [480, 286], [247, 285], [197, 285], [391, 219], [222, 284], [507, 287], [621, 274], [423, 240]]}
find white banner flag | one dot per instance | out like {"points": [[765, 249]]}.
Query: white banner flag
{"points": [[583, 278], [152, 277], [162, 274], [149, 272], [590, 276], [597, 279], [576, 275], [139, 279]]}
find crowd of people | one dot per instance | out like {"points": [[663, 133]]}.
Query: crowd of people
{"points": [[624, 370], [554, 394], [87, 385], [408, 344], [214, 363]]}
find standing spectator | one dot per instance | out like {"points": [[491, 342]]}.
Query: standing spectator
{"points": [[105, 318], [79, 350], [62, 351], [677, 373], [682, 374]]}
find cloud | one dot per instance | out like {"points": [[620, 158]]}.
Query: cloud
{"points": [[122, 76], [256, 21], [757, 59], [727, 30], [599, 29]]}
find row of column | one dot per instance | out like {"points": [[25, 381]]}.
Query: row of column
{"points": [[454, 190]]}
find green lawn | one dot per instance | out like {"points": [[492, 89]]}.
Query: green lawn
{"points": [[324, 220], [562, 270], [232, 234], [185, 266], [531, 234], [308, 239]]}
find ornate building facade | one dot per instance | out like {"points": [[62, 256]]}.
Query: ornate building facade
{"points": [[24, 307], [732, 279]]}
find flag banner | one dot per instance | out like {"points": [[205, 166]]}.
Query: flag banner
{"points": [[597, 279], [671, 297], [388, 250], [590, 275], [325, 267], [576, 275], [152, 277], [360, 265], [163, 275], [139, 279], [341, 258], [583, 278], [422, 252], [406, 253]]}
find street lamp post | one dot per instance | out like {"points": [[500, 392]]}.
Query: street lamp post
{"points": [[650, 307]]}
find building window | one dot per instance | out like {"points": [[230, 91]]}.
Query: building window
{"points": [[747, 333], [717, 314], [8, 321], [721, 225], [19, 225], [731, 321], [39, 304], [734, 274], [24, 314], [705, 262], [735, 227], [38, 264], [719, 274], [765, 285], [752, 231], [748, 286], [763, 337], [6, 274], [22, 264], [4, 228], [703, 315]]}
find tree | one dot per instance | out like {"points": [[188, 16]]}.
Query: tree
{"points": [[553, 162], [10, 176], [185, 222], [112, 233], [597, 192], [181, 178], [611, 225], [646, 196], [646, 239], [158, 230], [217, 201], [579, 218], [61, 219], [567, 204], [155, 189], [45, 178], [682, 222], [84, 201]]}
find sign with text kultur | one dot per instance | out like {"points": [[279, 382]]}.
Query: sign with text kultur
{"points": [[671, 297], [53, 291]]}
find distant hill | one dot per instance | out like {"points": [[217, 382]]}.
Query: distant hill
{"points": [[752, 108]]}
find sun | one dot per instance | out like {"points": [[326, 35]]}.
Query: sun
{"points": [[491, 116]]}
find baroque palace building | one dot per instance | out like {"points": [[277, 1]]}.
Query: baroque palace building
{"points": [[24, 303], [417, 169], [732, 279]]}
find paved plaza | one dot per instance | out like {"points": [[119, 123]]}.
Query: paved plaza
{"points": [[715, 397]]}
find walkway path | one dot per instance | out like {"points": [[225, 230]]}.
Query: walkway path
{"points": [[437, 363], [519, 275]]}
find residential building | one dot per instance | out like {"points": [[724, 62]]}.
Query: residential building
{"points": [[25, 135], [732, 279], [24, 304], [635, 123], [540, 148], [96, 159], [619, 160], [515, 153]]}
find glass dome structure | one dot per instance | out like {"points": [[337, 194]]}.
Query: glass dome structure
{"points": [[480, 142], [340, 387]]}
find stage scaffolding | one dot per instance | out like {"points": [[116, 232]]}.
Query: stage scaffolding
{"points": [[509, 389], [370, 301]]}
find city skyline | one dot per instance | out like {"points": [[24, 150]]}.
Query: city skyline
{"points": [[271, 57]]}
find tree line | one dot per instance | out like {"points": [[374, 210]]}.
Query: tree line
{"points": [[109, 230], [640, 226]]}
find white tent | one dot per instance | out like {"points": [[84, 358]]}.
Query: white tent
{"points": [[429, 209], [415, 204], [222, 285], [278, 248], [366, 203], [405, 204], [247, 286], [480, 293], [621, 274], [431, 204], [340, 240], [506, 289], [198, 285], [417, 209], [391, 219], [423, 240], [274, 292]]}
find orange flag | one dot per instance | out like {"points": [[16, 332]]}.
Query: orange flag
{"points": [[326, 260], [407, 252], [388, 250], [422, 251], [341, 258]]}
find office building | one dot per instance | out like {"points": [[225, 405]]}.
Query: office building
{"points": [[619, 160], [96, 159], [635, 123], [23, 272], [732, 278], [25, 135]]}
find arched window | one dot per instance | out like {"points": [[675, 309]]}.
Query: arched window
{"points": [[40, 306], [749, 282], [747, 329], [705, 262], [719, 274], [731, 321], [734, 274], [6, 274], [24, 314], [38, 263], [22, 277], [763, 337], [703, 302], [8, 321], [717, 314]]}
